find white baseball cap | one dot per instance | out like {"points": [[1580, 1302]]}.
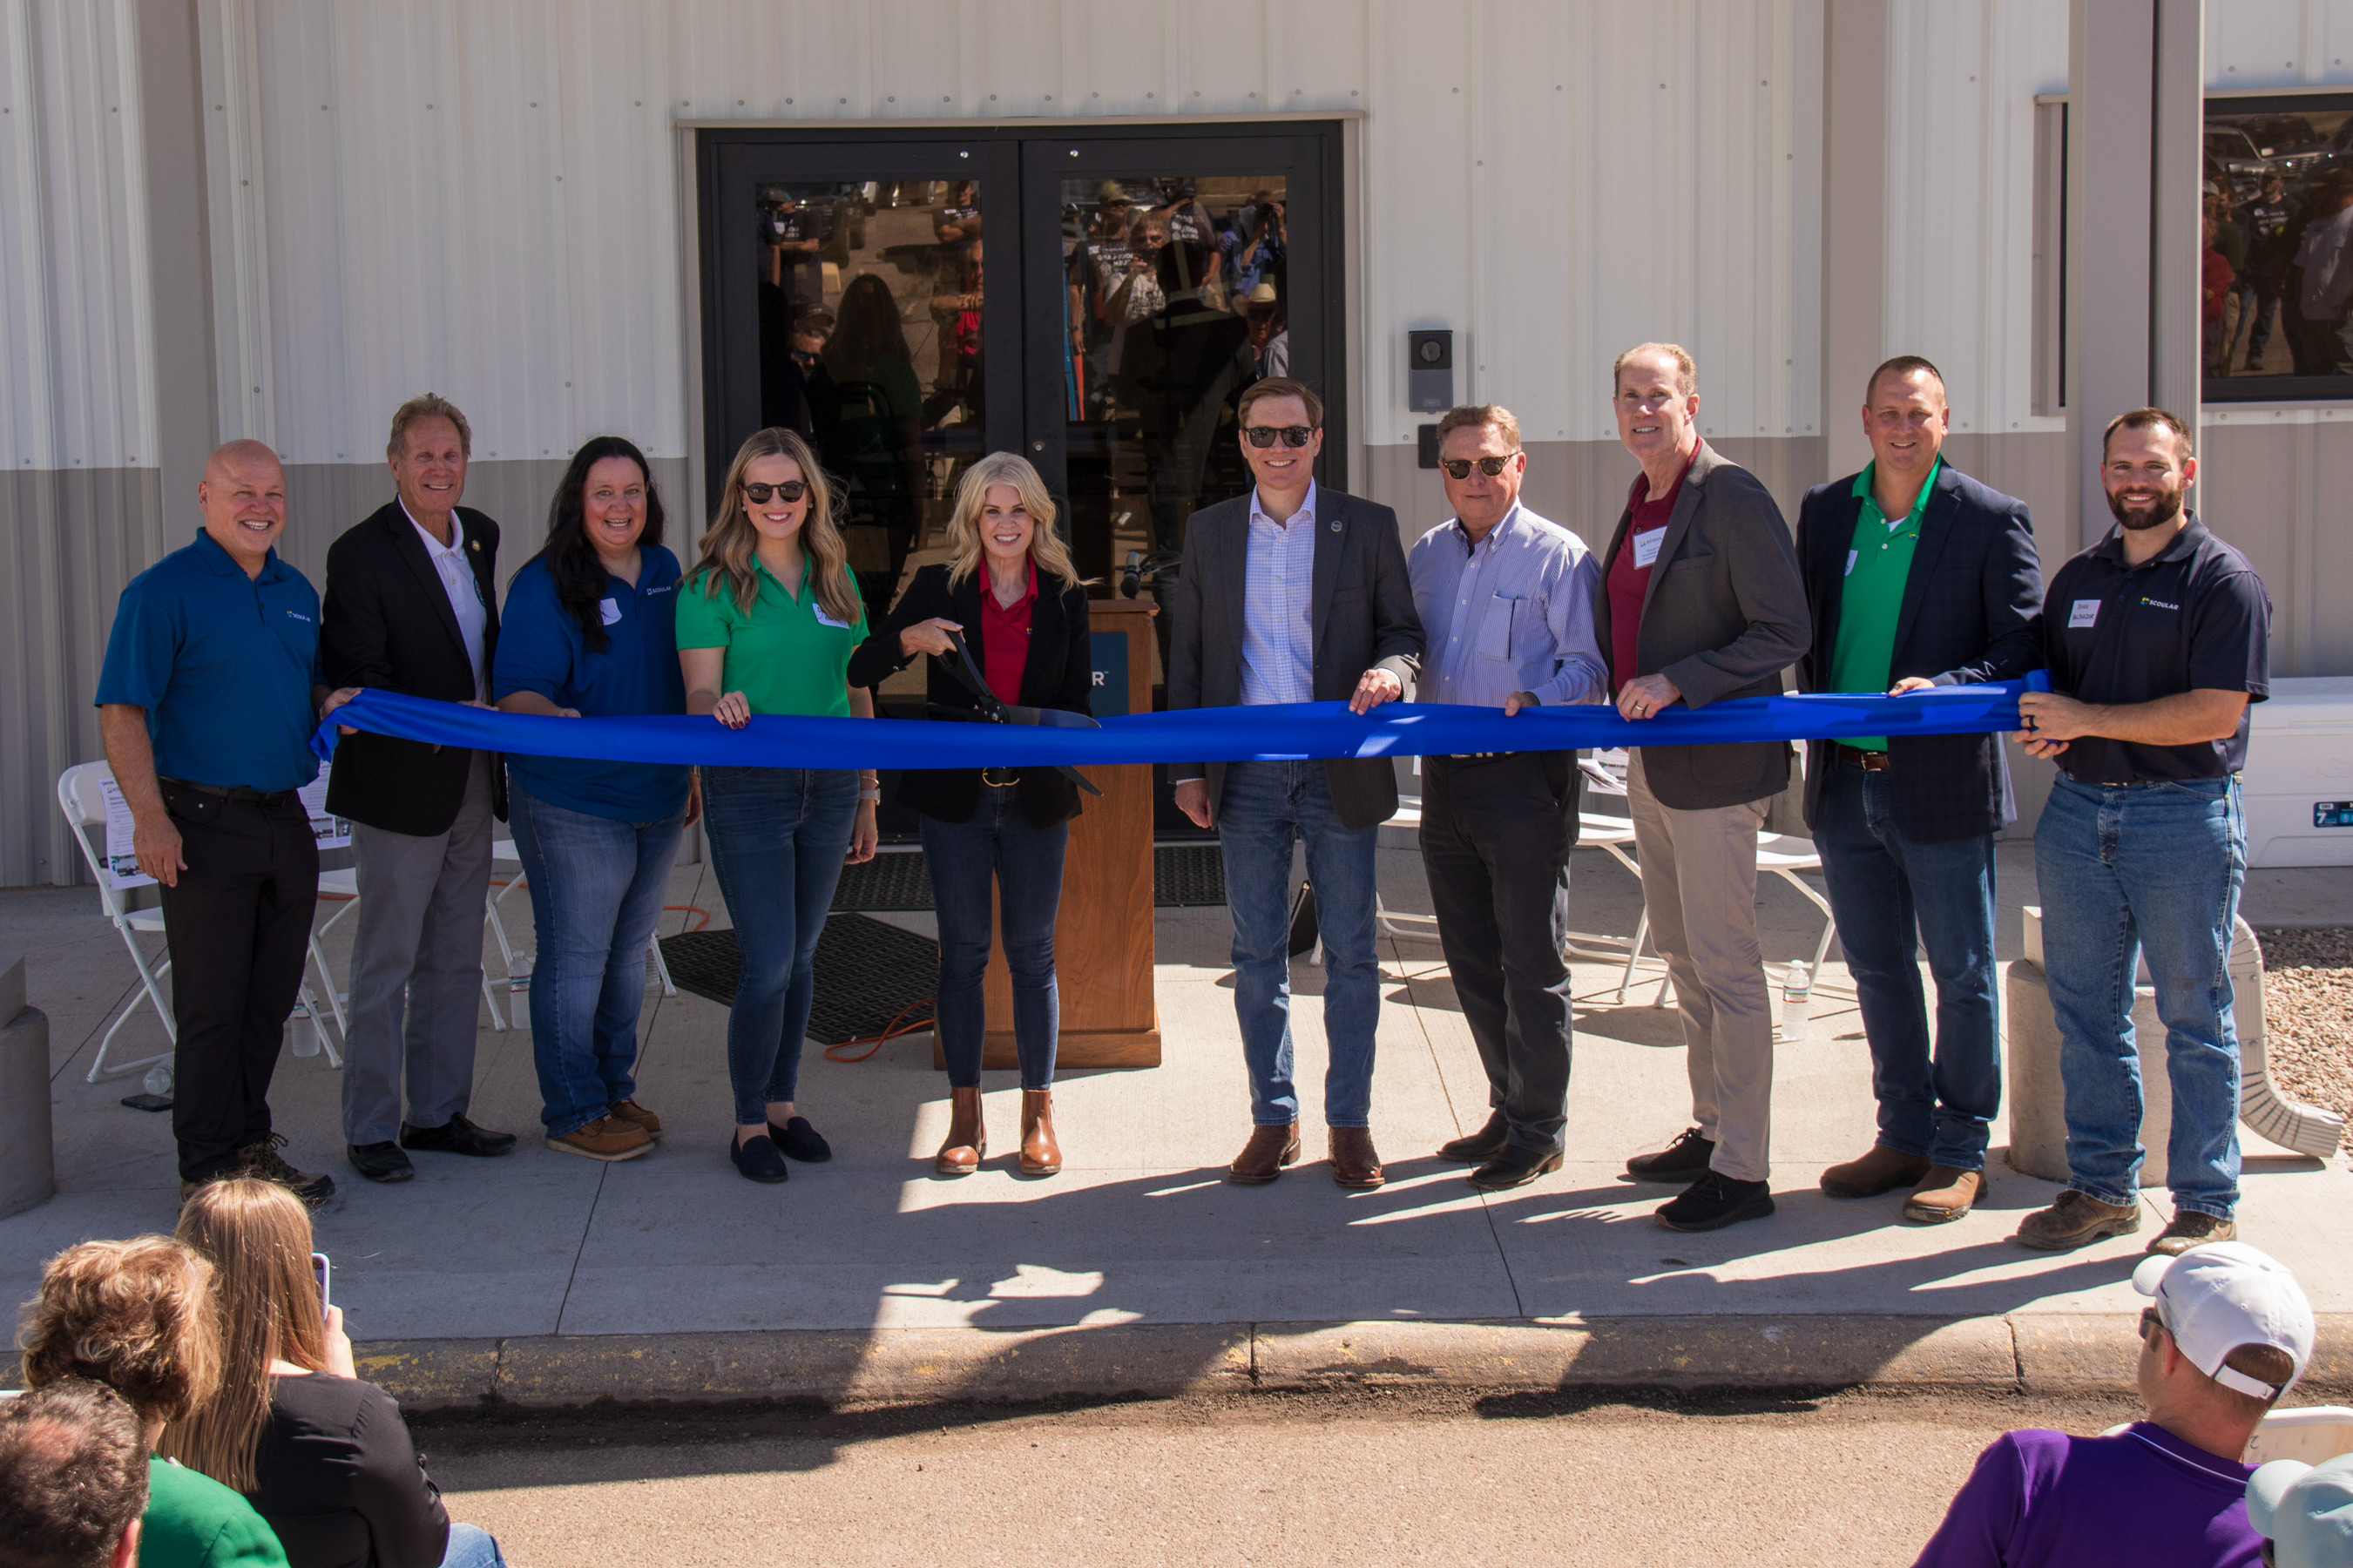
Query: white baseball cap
{"points": [[2215, 1298], [2305, 1510]]}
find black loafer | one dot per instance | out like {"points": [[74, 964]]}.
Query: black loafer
{"points": [[756, 1160], [1514, 1168], [1714, 1202], [798, 1139], [1479, 1147], [459, 1136], [380, 1161]]}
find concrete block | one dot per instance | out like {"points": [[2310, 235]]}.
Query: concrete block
{"points": [[426, 1374], [27, 1161], [2037, 1100], [2076, 1352]]}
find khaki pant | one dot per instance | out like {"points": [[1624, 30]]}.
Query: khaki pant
{"points": [[1699, 887]]}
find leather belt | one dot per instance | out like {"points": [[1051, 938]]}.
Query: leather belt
{"points": [[1869, 761], [232, 792]]}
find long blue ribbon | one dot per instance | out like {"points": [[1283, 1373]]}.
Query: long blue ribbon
{"points": [[1279, 731]]}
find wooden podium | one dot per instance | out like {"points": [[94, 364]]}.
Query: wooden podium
{"points": [[1103, 935]]}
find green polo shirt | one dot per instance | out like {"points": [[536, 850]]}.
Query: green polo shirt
{"points": [[784, 655], [1878, 564]]}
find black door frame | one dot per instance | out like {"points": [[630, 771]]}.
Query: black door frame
{"points": [[1026, 407]]}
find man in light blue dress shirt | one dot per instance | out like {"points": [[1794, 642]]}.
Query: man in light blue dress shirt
{"points": [[1507, 600]]}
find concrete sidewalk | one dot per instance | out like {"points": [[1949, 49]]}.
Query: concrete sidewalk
{"points": [[547, 1278]]}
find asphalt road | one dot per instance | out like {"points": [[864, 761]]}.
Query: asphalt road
{"points": [[1850, 1480]]}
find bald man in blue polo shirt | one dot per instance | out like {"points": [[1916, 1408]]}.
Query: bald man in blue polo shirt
{"points": [[206, 703]]}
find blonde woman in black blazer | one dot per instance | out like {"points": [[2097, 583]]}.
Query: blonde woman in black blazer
{"points": [[1011, 595]]}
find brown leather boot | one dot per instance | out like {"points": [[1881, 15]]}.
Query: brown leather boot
{"points": [[1945, 1193], [1269, 1149], [966, 1144], [1354, 1164], [1882, 1171], [1040, 1156]]}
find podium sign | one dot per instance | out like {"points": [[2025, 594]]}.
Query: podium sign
{"points": [[1103, 935]]}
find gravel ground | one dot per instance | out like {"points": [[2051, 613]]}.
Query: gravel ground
{"points": [[2308, 1014]]}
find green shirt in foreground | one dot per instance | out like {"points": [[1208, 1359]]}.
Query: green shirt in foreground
{"points": [[1878, 564], [193, 1521], [786, 655]]}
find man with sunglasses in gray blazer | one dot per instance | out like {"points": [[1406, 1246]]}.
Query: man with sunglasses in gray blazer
{"points": [[1295, 593]]}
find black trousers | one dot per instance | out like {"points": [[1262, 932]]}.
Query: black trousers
{"points": [[239, 926], [1495, 838]]}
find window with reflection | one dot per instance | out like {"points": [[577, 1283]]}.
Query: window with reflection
{"points": [[2275, 248]]}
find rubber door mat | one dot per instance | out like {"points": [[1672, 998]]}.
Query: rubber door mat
{"points": [[868, 973], [1184, 875]]}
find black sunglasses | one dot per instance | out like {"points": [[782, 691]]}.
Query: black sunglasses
{"points": [[1263, 435], [2150, 1317], [1460, 468], [790, 490]]}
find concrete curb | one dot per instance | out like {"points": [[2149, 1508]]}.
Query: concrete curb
{"points": [[2031, 1354]]}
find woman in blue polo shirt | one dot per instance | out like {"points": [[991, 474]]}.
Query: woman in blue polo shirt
{"points": [[766, 623], [587, 630]]}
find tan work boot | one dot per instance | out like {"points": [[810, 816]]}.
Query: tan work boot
{"points": [[2190, 1228], [1945, 1195], [636, 1115], [1269, 1149], [262, 1162], [608, 1138], [966, 1144], [1882, 1171], [2075, 1220], [1040, 1156]]}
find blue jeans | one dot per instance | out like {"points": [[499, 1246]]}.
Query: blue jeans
{"points": [[1885, 886], [1027, 865], [597, 888], [777, 839], [2150, 868], [1267, 807], [471, 1546]]}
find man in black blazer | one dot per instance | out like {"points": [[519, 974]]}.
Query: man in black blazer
{"points": [[412, 606], [1294, 594], [1917, 576]]}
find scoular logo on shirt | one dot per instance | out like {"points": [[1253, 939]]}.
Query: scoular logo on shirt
{"points": [[299, 616], [2157, 604]]}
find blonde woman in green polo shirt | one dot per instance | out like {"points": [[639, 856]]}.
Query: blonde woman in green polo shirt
{"points": [[766, 623]]}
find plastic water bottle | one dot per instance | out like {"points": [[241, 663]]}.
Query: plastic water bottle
{"points": [[519, 975], [304, 1030], [1797, 997], [158, 1079]]}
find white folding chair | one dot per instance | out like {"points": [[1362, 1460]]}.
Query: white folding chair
{"points": [[84, 805], [343, 886]]}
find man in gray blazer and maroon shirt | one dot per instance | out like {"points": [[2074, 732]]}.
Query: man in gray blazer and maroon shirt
{"points": [[412, 606], [1700, 599], [1295, 593], [1917, 576]]}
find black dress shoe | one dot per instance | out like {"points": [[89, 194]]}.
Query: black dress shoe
{"points": [[756, 1158], [1514, 1168], [798, 1139], [1714, 1202], [1478, 1148], [380, 1161], [1685, 1159], [458, 1136]]}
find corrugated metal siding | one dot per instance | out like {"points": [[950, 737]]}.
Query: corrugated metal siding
{"points": [[2277, 43], [480, 197]]}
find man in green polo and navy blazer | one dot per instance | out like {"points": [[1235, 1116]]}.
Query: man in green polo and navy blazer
{"points": [[1915, 575]]}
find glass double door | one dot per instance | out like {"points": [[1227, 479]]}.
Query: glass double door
{"points": [[912, 300]]}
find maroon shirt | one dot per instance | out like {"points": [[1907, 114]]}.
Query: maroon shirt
{"points": [[1628, 583], [1005, 636]]}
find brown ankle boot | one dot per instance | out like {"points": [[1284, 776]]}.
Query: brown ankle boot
{"points": [[1040, 1156], [967, 1140]]}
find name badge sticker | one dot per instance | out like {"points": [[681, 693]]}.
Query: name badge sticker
{"points": [[817, 609], [612, 611], [2086, 612], [1646, 546]]}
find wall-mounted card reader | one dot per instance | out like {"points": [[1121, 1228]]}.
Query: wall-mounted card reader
{"points": [[1429, 371]]}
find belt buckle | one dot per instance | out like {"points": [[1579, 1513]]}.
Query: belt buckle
{"points": [[1012, 776]]}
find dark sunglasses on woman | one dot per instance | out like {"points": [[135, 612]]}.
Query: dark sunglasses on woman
{"points": [[1460, 468], [1292, 434], [790, 490]]}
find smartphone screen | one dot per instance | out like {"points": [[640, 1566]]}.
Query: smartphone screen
{"points": [[318, 1271]]}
